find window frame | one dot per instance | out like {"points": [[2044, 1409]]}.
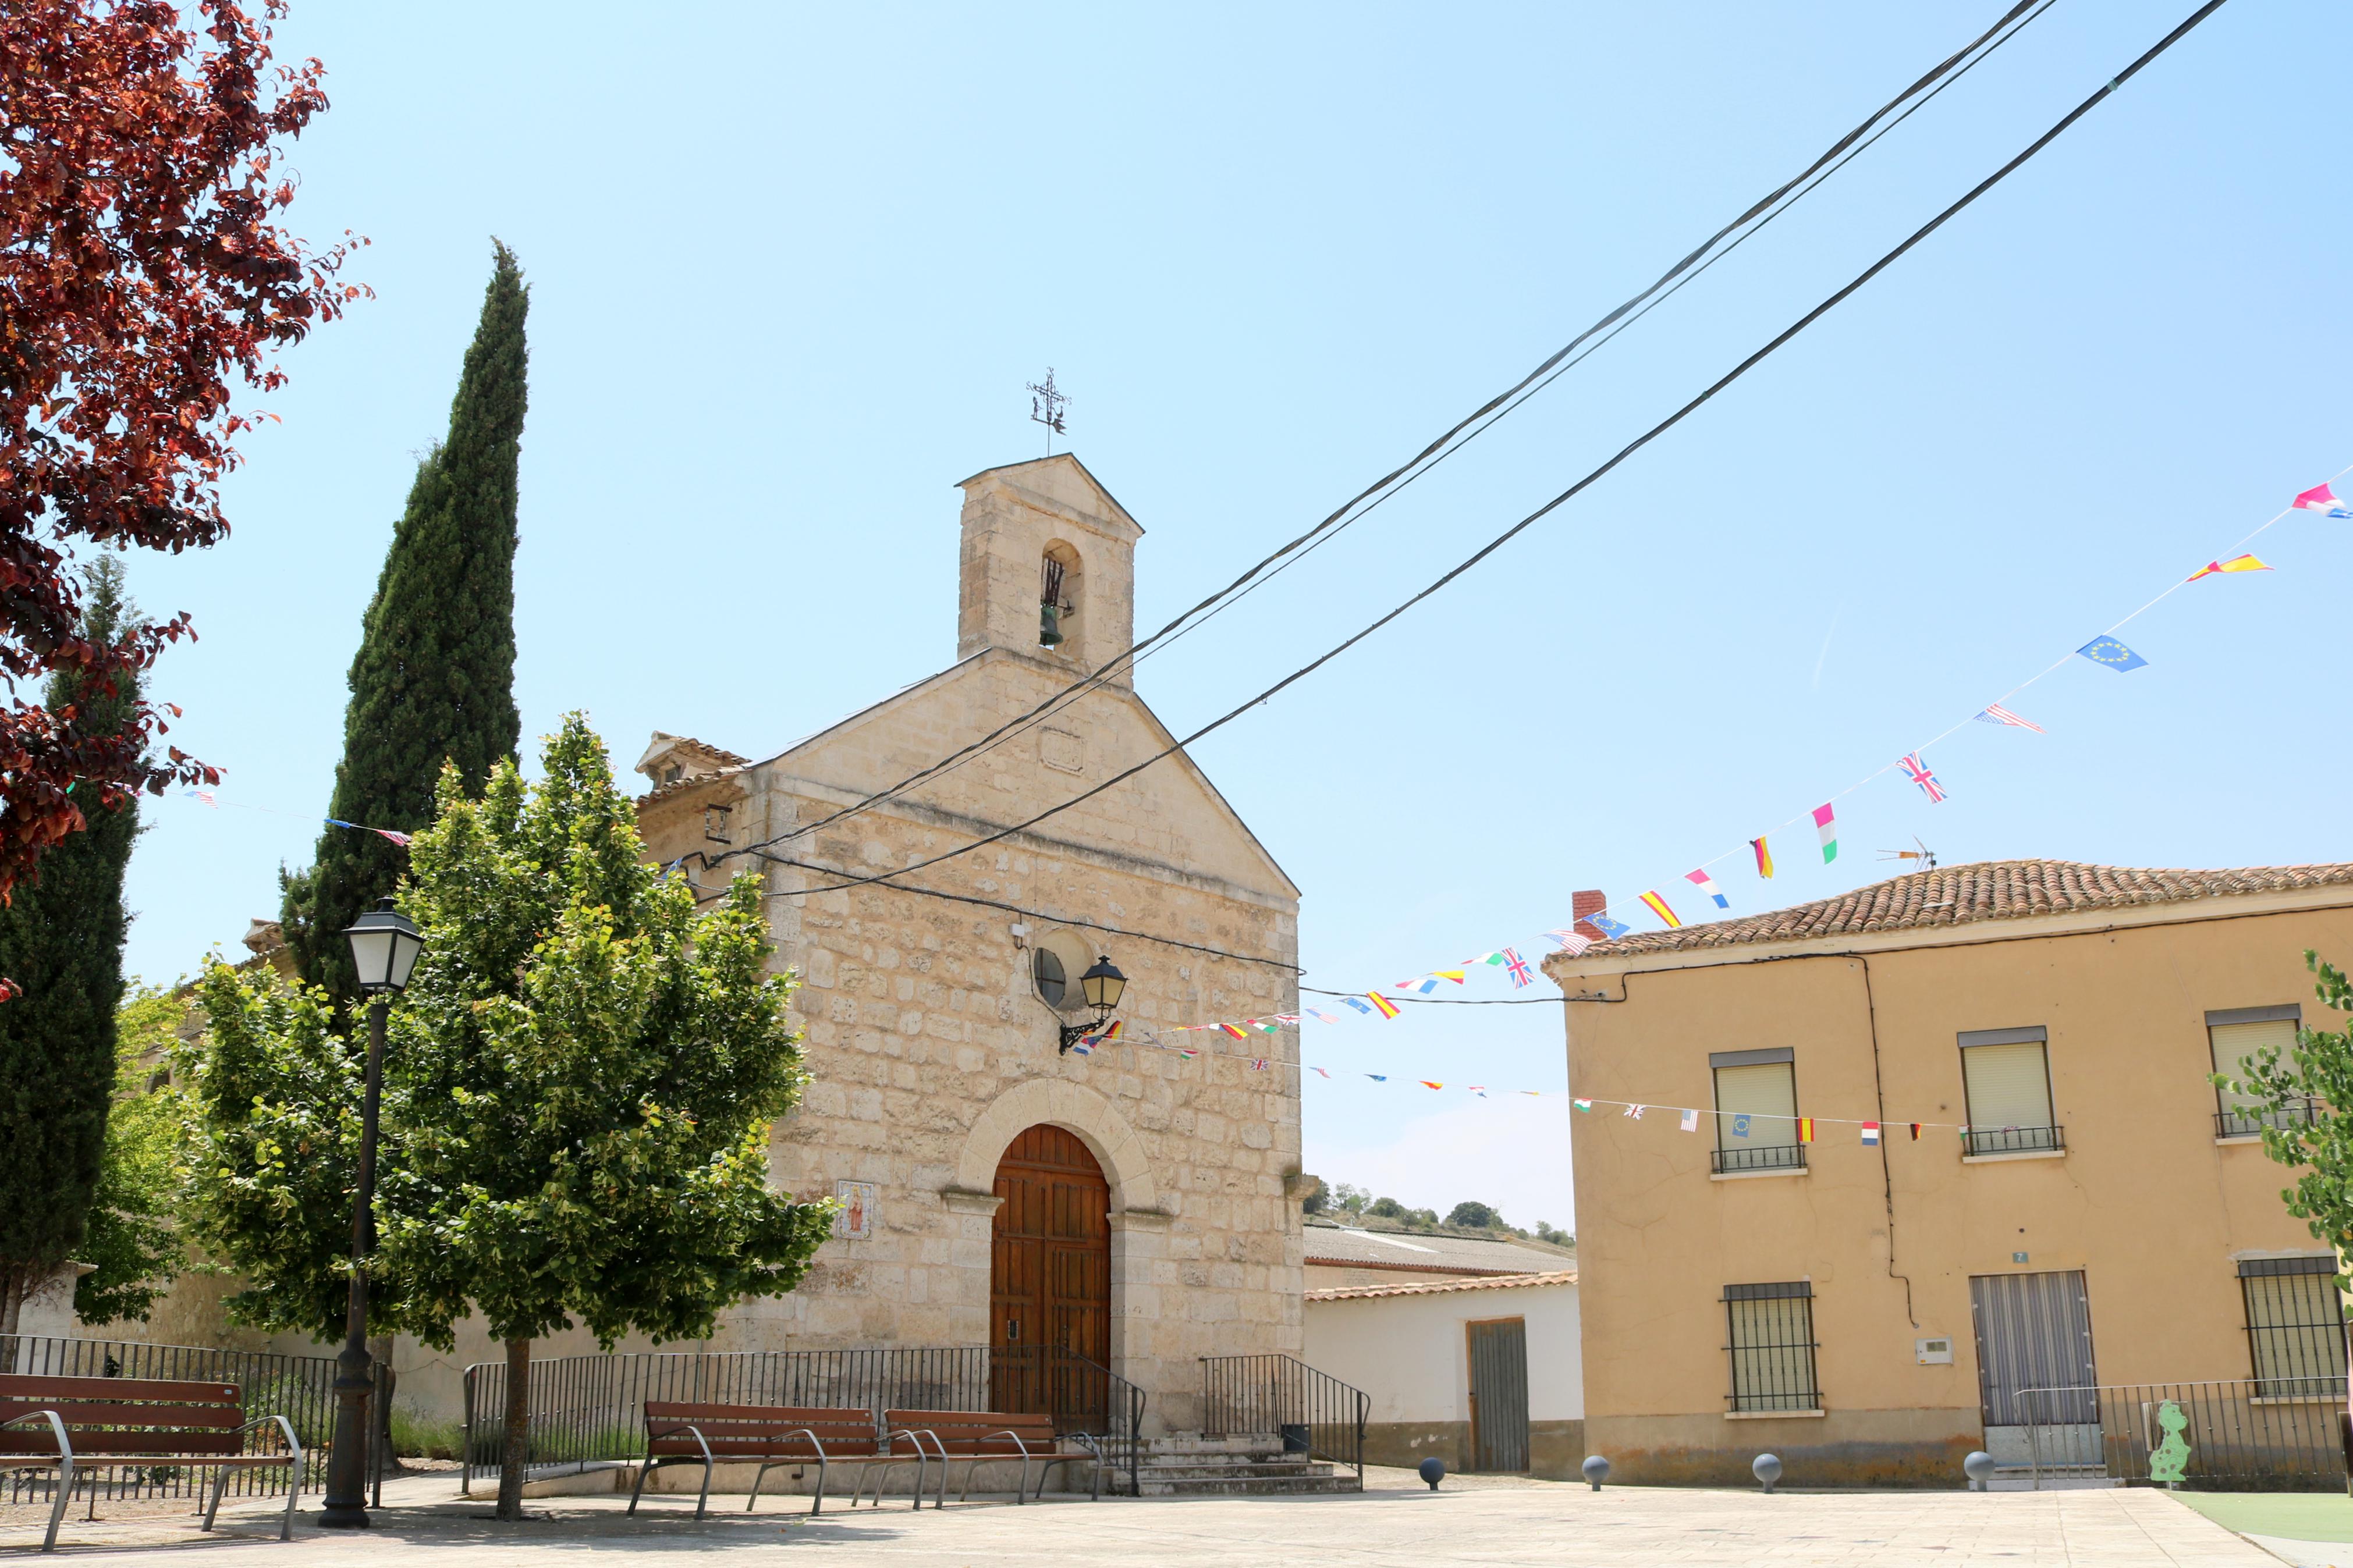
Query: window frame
{"points": [[2050, 1138], [2273, 1384], [2245, 1121], [1755, 1401], [1741, 1159]]}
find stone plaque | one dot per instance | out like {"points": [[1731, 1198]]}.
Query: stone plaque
{"points": [[1062, 752]]}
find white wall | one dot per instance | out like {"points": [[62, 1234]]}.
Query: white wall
{"points": [[1412, 1354]]}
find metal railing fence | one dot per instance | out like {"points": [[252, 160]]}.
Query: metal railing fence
{"points": [[590, 1409], [1279, 1396], [1769, 1157], [2249, 1120], [2239, 1436], [301, 1388], [2014, 1139]]}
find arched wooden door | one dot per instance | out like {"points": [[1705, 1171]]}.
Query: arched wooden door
{"points": [[1049, 1265]]}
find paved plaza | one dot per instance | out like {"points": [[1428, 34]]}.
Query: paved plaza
{"points": [[1396, 1523]]}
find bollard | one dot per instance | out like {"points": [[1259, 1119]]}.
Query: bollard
{"points": [[1433, 1471], [1596, 1470], [1978, 1467], [1768, 1469]]}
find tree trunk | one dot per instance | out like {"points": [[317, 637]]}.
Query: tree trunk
{"points": [[518, 1429], [15, 1283]]}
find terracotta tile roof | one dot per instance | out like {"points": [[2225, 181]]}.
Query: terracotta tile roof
{"points": [[1433, 1287], [1424, 1252], [1986, 890]]}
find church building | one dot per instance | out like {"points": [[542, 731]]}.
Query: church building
{"points": [[1123, 1201]]}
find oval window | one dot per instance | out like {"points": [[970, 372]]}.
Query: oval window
{"points": [[1053, 979]]}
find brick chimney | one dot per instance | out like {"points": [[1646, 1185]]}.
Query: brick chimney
{"points": [[1584, 903]]}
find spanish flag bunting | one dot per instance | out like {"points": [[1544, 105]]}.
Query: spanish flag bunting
{"points": [[2236, 564], [1426, 1084], [1805, 1129], [1236, 1030], [1659, 908], [1382, 1005], [1764, 857]]}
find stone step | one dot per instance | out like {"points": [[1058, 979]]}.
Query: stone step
{"points": [[1247, 1486], [1240, 1469]]}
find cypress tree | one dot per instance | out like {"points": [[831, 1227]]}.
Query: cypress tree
{"points": [[61, 940], [434, 677]]}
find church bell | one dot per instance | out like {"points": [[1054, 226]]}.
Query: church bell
{"points": [[1049, 623]]}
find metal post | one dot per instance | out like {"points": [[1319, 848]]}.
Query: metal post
{"points": [[346, 1502]]}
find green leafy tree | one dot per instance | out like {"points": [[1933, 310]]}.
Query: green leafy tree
{"points": [[1475, 1216], [132, 1243], [432, 681], [62, 942], [2317, 1072], [1350, 1200], [579, 1085], [1546, 1232]]}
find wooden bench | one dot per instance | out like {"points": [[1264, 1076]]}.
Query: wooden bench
{"points": [[680, 1433], [54, 1423], [982, 1437]]}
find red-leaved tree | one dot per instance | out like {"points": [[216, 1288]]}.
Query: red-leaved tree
{"points": [[141, 270]]}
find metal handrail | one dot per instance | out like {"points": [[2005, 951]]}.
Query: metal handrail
{"points": [[1276, 1396], [1765, 1157], [2051, 1140]]}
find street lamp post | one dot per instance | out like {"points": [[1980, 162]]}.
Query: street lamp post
{"points": [[1103, 985], [383, 948]]}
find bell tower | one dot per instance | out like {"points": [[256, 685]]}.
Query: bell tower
{"points": [[1048, 568]]}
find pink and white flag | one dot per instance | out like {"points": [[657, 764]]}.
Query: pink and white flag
{"points": [[1706, 884], [2323, 499]]}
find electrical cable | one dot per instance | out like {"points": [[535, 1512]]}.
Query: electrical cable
{"points": [[1640, 442], [1484, 417]]}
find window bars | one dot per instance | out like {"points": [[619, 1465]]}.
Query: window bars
{"points": [[1772, 1346], [2296, 1327]]}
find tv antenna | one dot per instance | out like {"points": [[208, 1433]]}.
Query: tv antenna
{"points": [[1922, 852], [1046, 408]]}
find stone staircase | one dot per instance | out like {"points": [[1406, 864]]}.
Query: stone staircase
{"points": [[1186, 1464]]}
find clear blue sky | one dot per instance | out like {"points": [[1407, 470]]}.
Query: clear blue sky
{"points": [[792, 266]]}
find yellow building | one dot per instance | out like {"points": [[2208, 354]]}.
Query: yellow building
{"points": [[2079, 1207]]}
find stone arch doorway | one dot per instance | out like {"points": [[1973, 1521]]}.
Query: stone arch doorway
{"points": [[1049, 1261]]}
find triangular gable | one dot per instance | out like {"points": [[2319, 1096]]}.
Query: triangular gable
{"points": [[1039, 475]]}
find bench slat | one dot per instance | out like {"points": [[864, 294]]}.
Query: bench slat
{"points": [[39, 1440], [19, 1387], [91, 1413], [799, 1415], [209, 1461]]}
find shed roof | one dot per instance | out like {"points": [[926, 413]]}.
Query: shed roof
{"points": [[1439, 1287], [1983, 891], [1420, 1252]]}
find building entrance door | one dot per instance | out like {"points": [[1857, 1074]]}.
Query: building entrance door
{"points": [[1499, 1395], [2034, 1332], [1049, 1267]]}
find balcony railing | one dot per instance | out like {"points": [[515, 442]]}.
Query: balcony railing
{"points": [[1765, 1157], [2249, 1120], [2015, 1141]]}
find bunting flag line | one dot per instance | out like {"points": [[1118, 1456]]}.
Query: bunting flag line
{"points": [[1428, 1083], [1994, 713], [1740, 1125], [1319, 1073], [1690, 1122], [1359, 1004], [2108, 651], [2322, 499], [1611, 929], [1917, 771], [1569, 941], [1382, 1005], [1378, 1077], [1764, 857], [1871, 1135], [1258, 1064], [1479, 1089], [1236, 1030], [2236, 564], [1826, 826], [1582, 1104], [1321, 1017], [1083, 1048], [208, 796], [1916, 1132], [1518, 968], [1805, 1129], [1706, 884], [1659, 908], [1635, 1111]]}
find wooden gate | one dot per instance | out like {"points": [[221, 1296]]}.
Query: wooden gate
{"points": [[1049, 1264], [1499, 1395]]}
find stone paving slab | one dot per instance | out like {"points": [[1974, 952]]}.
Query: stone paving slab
{"points": [[1388, 1526]]}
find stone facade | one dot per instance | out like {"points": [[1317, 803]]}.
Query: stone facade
{"points": [[930, 1045]]}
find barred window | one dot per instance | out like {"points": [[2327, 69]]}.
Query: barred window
{"points": [[2296, 1326], [1772, 1346]]}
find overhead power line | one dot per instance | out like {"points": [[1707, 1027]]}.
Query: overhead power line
{"points": [[1653, 434], [1714, 248]]}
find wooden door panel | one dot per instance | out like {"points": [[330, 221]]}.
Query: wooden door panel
{"points": [[1050, 1276]]}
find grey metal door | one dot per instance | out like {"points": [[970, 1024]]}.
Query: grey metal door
{"points": [[2033, 1331], [1499, 1395]]}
